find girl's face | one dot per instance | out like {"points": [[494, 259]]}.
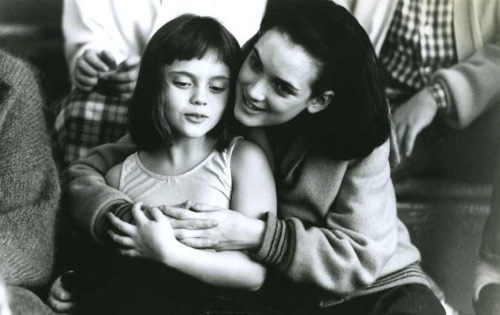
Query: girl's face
{"points": [[274, 83], [196, 93]]}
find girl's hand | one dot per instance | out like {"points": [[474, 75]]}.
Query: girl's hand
{"points": [[231, 230], [60, 299], [149, 238]]}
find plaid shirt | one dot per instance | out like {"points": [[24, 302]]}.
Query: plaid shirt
{"points": [[420, 41], [89, 119]]}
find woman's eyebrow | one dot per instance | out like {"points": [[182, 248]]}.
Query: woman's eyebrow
{"points": [[276, 78]]}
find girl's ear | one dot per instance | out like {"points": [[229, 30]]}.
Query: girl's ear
{"points": [[320, 102]]}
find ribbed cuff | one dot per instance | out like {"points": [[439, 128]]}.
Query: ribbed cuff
{"points": [[118, 208], [275, 244], [439, 94]]}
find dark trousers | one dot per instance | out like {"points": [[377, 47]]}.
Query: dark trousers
{"points": [[410, 299]]}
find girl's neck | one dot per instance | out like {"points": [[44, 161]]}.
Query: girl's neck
{"points": [[180, 157]]}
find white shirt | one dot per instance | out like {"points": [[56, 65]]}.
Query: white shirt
{"points": [[124, 26]]}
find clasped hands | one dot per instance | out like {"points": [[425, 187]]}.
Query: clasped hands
{"points": [[156, 231], [94, 67]]}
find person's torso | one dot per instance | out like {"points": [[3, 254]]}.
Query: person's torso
{"points": [[209, 182]]}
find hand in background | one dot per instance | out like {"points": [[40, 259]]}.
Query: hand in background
{"points": [[412, 117], [123, 79], [90, 66]]}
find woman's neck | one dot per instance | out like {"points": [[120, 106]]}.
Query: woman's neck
{"points": [[180, 157]]}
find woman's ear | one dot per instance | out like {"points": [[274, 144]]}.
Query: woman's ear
{"points": [[320, 102]]}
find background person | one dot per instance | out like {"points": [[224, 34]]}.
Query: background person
{"points": [[29, 189]]}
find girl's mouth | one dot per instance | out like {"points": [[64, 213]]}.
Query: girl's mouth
{"points": [[195, 118]]}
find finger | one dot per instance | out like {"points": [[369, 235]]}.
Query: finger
{"points": [[129, 252], [60, 306], [400, 134], [410, 137], [85, 69], [185, 205], [156, 214], [121, 226], [179, 213], [200, 207], [129, 63], [58, 292], [123, 87], [123, 77], [107, 57], [200, 243], [84, 82], [193, 224], [94, 60], [120, 240], [138, 214], [181, 234]]}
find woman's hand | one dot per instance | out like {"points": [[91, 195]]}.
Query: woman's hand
{"points": [[148, 238], [210, 227]]}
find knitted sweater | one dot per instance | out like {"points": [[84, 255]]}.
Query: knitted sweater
{"points": [[29, 186]]}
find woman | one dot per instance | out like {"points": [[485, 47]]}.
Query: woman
{"points": [[310, 94]]}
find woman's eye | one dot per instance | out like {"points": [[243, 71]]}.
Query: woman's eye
{"points": [[182, 84], [283, 89], [217, 89], [254, 62]]}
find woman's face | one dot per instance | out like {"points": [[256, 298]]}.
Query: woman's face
{"points": [[274, 83]]}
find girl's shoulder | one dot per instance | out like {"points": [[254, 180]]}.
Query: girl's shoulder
{"points": [[113, 176], [246, 154]]}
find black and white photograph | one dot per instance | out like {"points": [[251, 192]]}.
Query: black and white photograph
{"points": [[250, 157]]}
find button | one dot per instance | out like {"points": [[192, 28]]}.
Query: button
{"points": [[427, 30], [427, 70]]}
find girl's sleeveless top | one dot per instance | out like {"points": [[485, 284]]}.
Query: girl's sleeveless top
{"points": [[209, 182]]}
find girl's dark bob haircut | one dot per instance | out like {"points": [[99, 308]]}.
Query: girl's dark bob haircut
{"points": [[357, 119], [184, 38]]}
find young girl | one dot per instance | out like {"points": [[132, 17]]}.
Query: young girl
{"points": [[181, 124]]}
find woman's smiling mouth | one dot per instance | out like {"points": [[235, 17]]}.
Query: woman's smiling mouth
{"points": [[250, 106]]}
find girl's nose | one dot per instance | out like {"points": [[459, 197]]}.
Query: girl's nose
{"points": [[255, 91], [199, 97]]}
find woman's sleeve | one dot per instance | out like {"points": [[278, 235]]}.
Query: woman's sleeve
{"points": [[86, 195], [357, 238]]}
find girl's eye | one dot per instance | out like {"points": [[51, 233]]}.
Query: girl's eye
{"points": [[217, 89], [182, 84]]}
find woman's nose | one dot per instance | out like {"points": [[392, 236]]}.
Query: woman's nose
{"points": [[199, 97], [255, 91]]}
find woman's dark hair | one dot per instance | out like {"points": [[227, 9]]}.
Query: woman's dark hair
{"points": [[357, 119], [184, 38]]}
